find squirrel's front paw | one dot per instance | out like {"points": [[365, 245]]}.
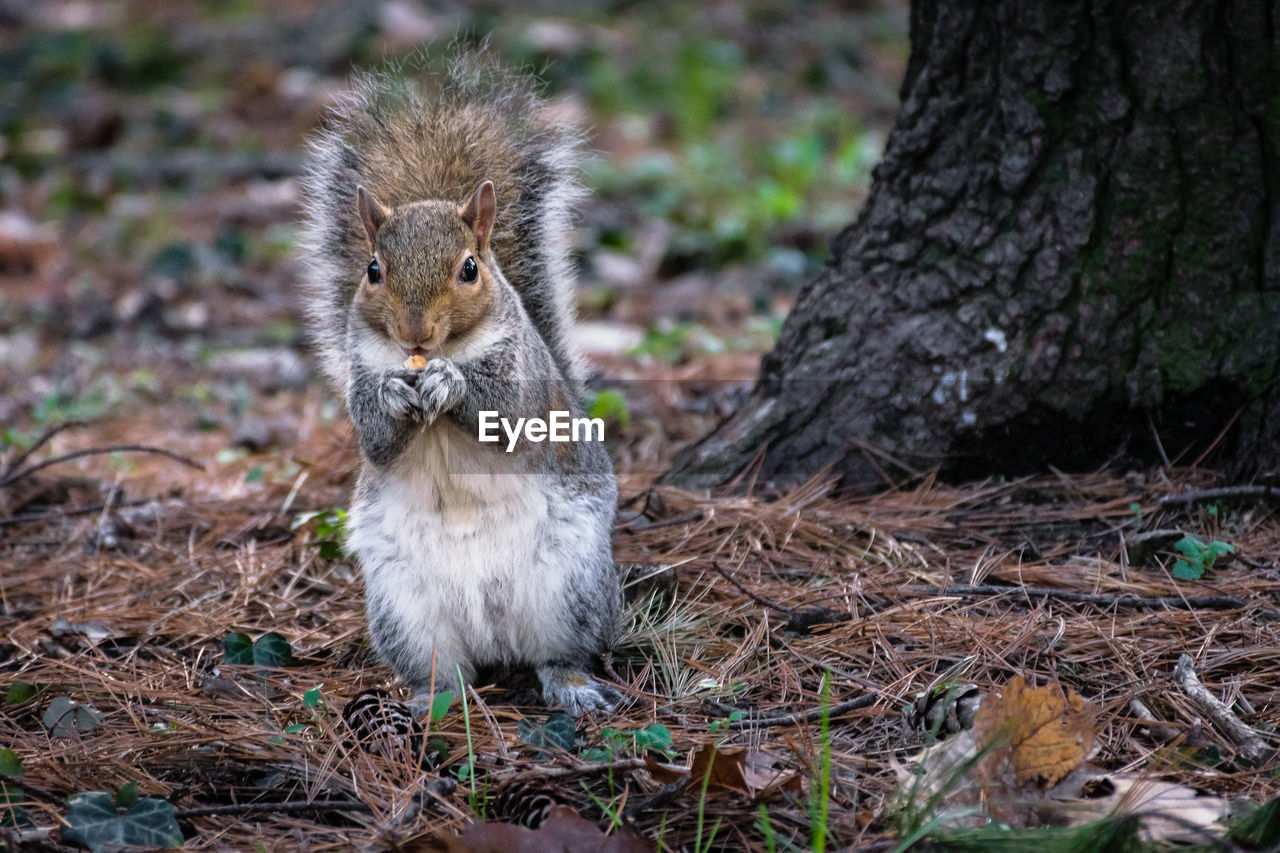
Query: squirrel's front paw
{"points": [[398, 394], [440, 388]]}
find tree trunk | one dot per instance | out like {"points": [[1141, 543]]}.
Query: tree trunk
{"points": [[1070, 256]]}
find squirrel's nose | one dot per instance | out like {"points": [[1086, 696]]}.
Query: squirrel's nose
{"points": [[417, 334], [426, 339]]}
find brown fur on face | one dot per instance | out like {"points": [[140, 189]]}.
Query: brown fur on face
{"points": [[422, 301]]}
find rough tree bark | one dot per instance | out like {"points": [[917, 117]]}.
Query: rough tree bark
{"points": [[1071, 247]]}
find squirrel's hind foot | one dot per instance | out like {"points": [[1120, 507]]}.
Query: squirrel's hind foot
{"points": [[575, 691]]}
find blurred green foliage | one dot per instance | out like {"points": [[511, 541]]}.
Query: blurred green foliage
{"points": [[728, 195], [693, 81], [609, 405], [58, 71], [330, 530]]}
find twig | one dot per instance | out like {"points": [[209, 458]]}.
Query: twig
{"points": [[12, 838], [67, 513], [758, 599], [660, 798], [800, 717], [582, 768], [1224, 493], [280, 808], [1159, 732], [1155, 434], [94, 451], [1252, 747], [800, 620], [691, 515], [1218, 440], [40, 441], [1137, 602]]}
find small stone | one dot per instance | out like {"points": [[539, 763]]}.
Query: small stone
{"points": [[254, 434]]}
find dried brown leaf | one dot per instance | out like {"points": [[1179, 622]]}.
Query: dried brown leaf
{"points": [[1031, 736], [562, 832], [750, 772]]}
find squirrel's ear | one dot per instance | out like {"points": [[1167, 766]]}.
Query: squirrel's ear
{"points": [[479, 213], [372, 214]]}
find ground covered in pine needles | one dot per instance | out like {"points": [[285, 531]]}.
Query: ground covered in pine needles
{"points": [[120, 591]]}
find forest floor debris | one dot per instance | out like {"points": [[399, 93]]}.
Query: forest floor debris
{"points": [[133, 640]]}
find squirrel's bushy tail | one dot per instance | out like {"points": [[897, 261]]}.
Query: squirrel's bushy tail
{"points": [[408, 136]]}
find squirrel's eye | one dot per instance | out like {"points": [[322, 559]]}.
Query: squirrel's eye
{"points": [[469, 270], [375, 272]]}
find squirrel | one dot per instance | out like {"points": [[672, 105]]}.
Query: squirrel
{"points": [[437, 225]]}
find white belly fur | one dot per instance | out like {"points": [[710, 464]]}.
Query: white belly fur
{"points": [[459, 556]]}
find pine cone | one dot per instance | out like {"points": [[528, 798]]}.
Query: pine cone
{"points": [[525, 802], [382, 725], [945, 709]]}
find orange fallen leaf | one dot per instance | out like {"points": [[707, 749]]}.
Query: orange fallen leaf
{"points": [[1030, 735]]}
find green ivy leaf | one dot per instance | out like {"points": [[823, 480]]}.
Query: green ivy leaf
{"points": [[1198, 556], [312, 698], [94, 821], [272, 649], [440, 705], [1220, 549], [65, 716], [1182, 570], [1190, 546], [127, 795], [559, 731], [237, 649], [295, 728], [656, 736], [12, 814], [19, 692], [10, 763]]}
